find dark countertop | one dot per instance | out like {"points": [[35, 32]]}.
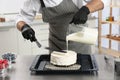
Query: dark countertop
{"points": [[20, 71]]}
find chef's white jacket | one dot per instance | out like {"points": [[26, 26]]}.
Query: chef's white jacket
{"points": [[31, 7]]}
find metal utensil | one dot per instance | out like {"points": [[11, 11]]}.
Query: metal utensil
{"points": [[38, 44], [48, 48]]}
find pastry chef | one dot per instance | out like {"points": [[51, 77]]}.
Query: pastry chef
{"points": [[59, 14]]}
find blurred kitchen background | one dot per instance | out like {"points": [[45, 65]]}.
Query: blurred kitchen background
{"points": [[12, 41]]}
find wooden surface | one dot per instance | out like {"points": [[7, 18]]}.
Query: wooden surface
{"points": [[99, 30], [111, 52], [110, 38], [114, 6], [110, 22]]}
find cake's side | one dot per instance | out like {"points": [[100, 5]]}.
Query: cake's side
{"points": [[63, 59]]}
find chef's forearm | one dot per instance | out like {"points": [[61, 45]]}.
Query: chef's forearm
{"points": [[20, 25], [95, 5]]}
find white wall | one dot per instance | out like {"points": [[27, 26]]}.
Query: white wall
{"points": [[10, 6]]}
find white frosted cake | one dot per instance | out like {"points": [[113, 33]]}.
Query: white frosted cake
{"points": [[63, 59]]}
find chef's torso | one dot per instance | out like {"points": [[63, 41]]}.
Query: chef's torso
{"points": [[31, 7], [53, 3]]}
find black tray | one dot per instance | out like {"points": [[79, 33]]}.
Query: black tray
{"points": [[87, 62]]}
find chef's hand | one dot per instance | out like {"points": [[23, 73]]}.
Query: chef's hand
{"points": [[28, 33], [81, 16]]}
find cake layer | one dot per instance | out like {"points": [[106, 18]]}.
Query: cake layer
{"points": [[63, 59]]}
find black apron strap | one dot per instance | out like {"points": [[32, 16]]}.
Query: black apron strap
{"points": [[42, 3]]}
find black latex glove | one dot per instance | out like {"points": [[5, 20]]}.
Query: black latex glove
{"points": [[28, 33], [81, 16]]}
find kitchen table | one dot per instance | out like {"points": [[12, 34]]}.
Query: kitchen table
{"points": [[20, 71]]}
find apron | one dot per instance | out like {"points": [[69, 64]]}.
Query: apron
{"points": [[59, 18]]}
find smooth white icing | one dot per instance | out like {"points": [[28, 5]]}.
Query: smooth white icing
{"points": [[63, 59]]}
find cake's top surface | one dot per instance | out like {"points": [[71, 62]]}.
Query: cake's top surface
{"points": [[68, 53]]}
